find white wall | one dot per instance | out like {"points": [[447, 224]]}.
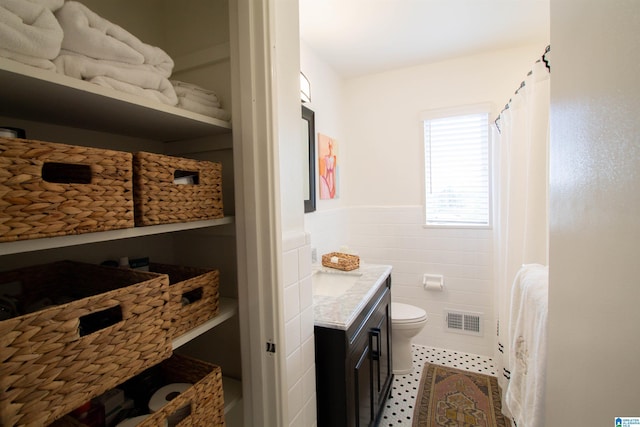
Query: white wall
{"points": [[593, 363], [327, 93], [287, 57], [394, 235], [381, 196], [296, 292], [328, 225], [299, 344], [384, 131]]}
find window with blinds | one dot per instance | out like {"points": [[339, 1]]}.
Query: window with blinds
{"points": [[457, 170]]}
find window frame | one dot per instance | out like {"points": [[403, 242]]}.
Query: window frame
{"points": [[482, 108]]}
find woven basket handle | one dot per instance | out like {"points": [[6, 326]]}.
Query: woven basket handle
{"points": [[174, 413], [186, 177], [66, 173], [99, 320], [192, 296]]}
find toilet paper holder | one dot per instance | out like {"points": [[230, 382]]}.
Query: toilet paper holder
{"points": [[433, 282]]}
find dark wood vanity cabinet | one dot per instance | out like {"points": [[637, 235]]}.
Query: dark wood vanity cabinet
{"points": [[353, 367]]}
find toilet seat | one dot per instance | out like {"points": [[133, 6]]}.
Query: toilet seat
{"points": [[405, 313]]}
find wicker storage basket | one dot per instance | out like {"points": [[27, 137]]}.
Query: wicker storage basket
{"points": [[199, 286], [49, 189], [345, 262], [205, 397], [55, 359], [159, 200]]}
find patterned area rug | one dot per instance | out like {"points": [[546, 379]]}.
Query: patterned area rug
{"points": [[451, 397]]}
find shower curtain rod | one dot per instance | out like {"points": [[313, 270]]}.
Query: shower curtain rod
{"points": [[544, 58]]}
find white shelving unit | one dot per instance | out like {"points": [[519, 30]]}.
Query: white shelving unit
{"points": [[232, 388], [43, 101], [232, 393], [228, 308], [19, 246], [55, 98]]}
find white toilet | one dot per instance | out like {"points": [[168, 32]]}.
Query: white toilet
{"points": [[406, 321]]}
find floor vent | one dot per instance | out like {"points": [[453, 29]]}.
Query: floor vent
{"points": [[463, 322]]}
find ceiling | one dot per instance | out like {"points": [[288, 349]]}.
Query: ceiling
{"points": [[358, 37]]}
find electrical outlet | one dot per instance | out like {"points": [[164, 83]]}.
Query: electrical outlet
{"points": [[314, 255]]}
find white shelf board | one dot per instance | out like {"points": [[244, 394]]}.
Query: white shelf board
{"points": [[43, 95], [228, 307], [20, 246], [232, 393]]}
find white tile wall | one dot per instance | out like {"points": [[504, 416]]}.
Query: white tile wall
{"points": [[299, 342], [394, 235]]}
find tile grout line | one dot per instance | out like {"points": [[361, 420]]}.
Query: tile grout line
{"points": [[398, 410]]}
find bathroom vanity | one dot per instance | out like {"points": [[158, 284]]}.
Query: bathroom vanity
{"points": [[353, 344]]}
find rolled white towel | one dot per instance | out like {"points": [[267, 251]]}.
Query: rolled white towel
{"points": [[87, 33], [45, 64], [206, 110], [162, 94], [123, 77], [209, 101], [29, 29], [196, 93], [184, 87]]}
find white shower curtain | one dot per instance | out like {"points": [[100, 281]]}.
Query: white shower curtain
{"points": [[521, 185]]}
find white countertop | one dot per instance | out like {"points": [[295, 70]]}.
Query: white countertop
{"points": [[338, 312]]}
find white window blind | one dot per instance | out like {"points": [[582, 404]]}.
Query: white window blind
{"points": [[457, 178]]}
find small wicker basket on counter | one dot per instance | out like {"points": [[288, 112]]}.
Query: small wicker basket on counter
{"points": [[341, 261]]}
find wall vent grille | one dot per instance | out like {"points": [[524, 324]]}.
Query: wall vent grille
{"points": [[463, 322]]}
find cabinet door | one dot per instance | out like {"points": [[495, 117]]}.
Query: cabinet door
{"points": [[381, 353], [362, 388]]}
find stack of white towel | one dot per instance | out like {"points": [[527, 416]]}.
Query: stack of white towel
{"points": [[69, 38], [199, 100], [101, 52], [29, 31]]}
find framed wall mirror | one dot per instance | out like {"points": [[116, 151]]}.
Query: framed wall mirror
{"points": [[308, 135]]}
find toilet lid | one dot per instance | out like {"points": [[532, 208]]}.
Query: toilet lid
{"points": [[405, 313]]}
